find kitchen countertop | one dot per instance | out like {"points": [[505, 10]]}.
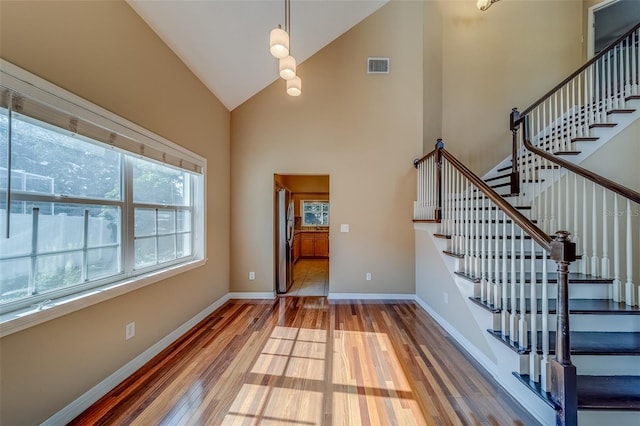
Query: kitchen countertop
{"points": [[312, 230]]}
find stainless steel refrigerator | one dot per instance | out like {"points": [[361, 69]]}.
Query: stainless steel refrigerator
{"points": [[284, 235]]}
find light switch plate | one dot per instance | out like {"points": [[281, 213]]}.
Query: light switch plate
{"points": [[344, 227]]}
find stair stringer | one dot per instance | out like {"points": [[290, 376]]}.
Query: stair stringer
{"points": [[498, 360]]}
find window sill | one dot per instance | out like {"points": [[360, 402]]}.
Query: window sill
{"points": [[15, 321]]}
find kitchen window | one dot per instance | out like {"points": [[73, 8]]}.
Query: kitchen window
{"points": [[87, 202], [315, 213]]}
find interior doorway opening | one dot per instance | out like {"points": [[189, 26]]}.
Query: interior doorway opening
{"points": [[609, 20], [301, 234]]}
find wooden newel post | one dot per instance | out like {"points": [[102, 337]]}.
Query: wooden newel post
{"points": [[563, 373], [514, 118], [439, 147]]}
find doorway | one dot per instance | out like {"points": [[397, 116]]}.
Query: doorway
{"points": [[305, 251], [607, 21]]}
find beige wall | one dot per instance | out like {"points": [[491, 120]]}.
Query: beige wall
{"points": [[363, 131], [492, 61], [104, 52], [432, 75]]}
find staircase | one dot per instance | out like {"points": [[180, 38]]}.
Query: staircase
{"points": [[550, 249]]}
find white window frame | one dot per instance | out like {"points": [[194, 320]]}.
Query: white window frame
{"points": [[302, 211], [21, 81]]}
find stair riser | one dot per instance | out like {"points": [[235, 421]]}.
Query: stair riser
{"points": [[594, 365], [576, 291], [471, 262], [600, 418], [593, 322], [580, 322]]}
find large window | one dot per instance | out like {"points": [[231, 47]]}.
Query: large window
{"points": [[78, 213], [315, 213]]}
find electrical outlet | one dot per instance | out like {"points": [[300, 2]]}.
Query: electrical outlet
{"points": [[252, 276], [446, 297], [368, 276], [129, 330]]}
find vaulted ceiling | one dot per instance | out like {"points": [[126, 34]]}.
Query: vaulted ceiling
{"points": [[225, 43]]}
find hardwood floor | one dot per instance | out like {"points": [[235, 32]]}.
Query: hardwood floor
{"points": [[309, 361]]}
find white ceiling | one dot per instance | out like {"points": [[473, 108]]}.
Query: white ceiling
{"points": [[226, 42]]}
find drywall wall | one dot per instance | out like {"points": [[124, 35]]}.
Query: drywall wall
{"points": [[103, 52], [432, 75], [492, 61], [362, 130]]}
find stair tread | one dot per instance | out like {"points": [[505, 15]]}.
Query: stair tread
{"points": [[596, 125], [621, 111], [585, 342], [620, 393], [566, 152], [576, 306], [585, 139]]}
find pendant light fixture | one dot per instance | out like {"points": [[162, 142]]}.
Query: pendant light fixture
{"points": [[279, 43], [485, 4], [294, 86], [280, 48], [287, 68]]}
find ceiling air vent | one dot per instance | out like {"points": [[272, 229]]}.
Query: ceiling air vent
{"points": [[378, 66]]}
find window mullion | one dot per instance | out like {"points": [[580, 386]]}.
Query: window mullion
{"points": [[127, 225]]}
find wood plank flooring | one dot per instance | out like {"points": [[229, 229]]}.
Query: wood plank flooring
{"points": [[310, 361]]}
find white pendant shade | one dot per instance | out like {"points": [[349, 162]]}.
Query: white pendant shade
{"points": [[279, 43], [288, 68], [294, 86]]}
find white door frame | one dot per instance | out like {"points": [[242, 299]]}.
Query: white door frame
{"points": [[591, 23]]}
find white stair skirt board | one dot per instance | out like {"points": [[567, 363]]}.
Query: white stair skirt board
{"points": [[532, 403], [83, 402], [371, 296]]}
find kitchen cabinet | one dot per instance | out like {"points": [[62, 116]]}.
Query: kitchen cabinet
{"points": [[321, 245], [314, 244]]}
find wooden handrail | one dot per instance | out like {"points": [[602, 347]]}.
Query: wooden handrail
{"points": [[522, 221], [600, 180], [572, 76]]}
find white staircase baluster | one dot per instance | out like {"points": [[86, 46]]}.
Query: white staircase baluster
{"points": [[466, 253], [545, 380], [576, 226], [627, 76], [616, 84], [595, 261], [496, 283], [483, 255], [534, 361], [513, 326], [635, 57], [585, 263], [617, 284], [608, 97], [489, 254], [504, 281], [630, 296], [478, 229], [522, 324], [567, 206], [605, 271]]}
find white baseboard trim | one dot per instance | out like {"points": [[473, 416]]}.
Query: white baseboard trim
{"points": [[371, 296], [252, 295], [83, 402]]}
